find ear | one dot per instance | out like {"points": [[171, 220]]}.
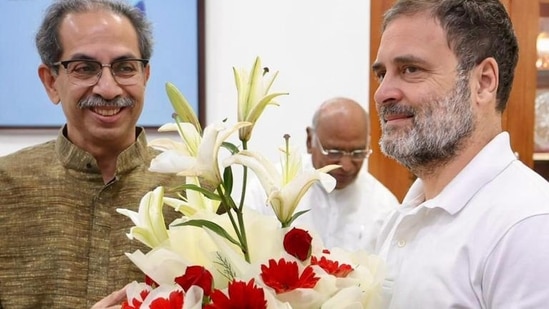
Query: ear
{"points": [[486, 81], [309, 139], [48, 79], [147, 73]]}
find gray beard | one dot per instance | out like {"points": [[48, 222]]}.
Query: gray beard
{"points": [[439, 129]]}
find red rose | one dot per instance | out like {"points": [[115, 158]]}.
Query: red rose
{"points": [[297, 243], [196, 275]]}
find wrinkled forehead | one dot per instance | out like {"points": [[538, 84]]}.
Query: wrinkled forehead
{"points": [[97, 32], [418, 36]]}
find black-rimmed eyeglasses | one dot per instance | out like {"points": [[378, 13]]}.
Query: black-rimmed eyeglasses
{"points": [[88, 72], [337, 154]]}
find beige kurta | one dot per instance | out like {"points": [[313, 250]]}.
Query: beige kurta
{"points": [[62, 243]]}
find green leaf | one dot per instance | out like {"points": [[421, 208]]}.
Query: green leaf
{"points": [[232, 148], [209, 194], [228, 179], [216, 228], [296, 215]]}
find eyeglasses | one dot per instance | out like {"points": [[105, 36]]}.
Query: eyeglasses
{"points": [[336, 154], [88, 72]]}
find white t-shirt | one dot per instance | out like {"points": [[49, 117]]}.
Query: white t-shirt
{"points": [[483, 242], [348, 218]]}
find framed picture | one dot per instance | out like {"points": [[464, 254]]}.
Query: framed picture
{"points": [[177, 58]]}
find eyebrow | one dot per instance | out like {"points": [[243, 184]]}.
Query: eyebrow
{"points": [[400, 60], [80, 56]]}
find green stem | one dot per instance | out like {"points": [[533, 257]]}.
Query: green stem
{"points": [[246, 252], [239, 229], [228, 207], [239, 211], [244, 180]]}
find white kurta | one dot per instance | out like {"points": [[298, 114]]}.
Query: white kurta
{"points": [[349, 218], [483, 242]]}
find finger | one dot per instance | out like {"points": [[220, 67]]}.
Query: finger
{"points": [[114, 300]]}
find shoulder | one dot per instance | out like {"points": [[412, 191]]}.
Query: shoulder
{"points": [[26, 169], [29, 157], [377, 189], [508, 205], [518, 185]]}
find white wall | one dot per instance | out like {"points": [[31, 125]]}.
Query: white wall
{"points": [[320, 47]]}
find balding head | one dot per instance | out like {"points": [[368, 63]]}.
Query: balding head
{"points": [[342, 110], [340, 124]]}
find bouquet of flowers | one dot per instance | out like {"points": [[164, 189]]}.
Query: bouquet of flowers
{"points": [[222, 254]]}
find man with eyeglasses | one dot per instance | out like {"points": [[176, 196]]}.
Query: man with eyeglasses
{"points": [[62, 243], [350, 216]]}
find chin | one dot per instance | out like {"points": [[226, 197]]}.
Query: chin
{"points": [[341, 185]]}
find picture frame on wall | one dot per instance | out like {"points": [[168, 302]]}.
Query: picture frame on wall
{"points": [[177, 58]]}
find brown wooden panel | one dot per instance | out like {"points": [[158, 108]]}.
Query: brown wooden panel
{"points": [[542, 167], [388, 171], [519, 116]]}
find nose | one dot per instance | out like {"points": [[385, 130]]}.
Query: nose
{"points": [[388, 90], [106, 86], [347, 164]]}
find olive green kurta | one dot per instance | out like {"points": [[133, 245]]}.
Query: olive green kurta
{"points": [[62, 243]]}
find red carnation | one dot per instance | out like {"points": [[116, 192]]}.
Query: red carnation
{"points": [[174, 300], [283, 276], [332, 267], [135, 303], [241, 295]]}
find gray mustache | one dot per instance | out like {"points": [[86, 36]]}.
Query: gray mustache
{"points": [[97, 101], [390, 109]]}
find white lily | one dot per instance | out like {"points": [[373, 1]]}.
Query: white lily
{"points": [[187, 132], [284, 190], [150, 228], [161, 264], [173, 158], [181, 106], [202, 162], [253, 95]]}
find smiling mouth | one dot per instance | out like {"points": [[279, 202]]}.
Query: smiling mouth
{"points": [[106, 111], [392, 117]]}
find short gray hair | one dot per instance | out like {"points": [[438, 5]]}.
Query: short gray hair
{"points": [[475, 30], [48, 41]]}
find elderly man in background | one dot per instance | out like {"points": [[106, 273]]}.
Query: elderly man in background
{"points": [[350, 216]]}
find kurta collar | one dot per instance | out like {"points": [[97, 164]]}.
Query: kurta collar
{"points": [[73, 157]]}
